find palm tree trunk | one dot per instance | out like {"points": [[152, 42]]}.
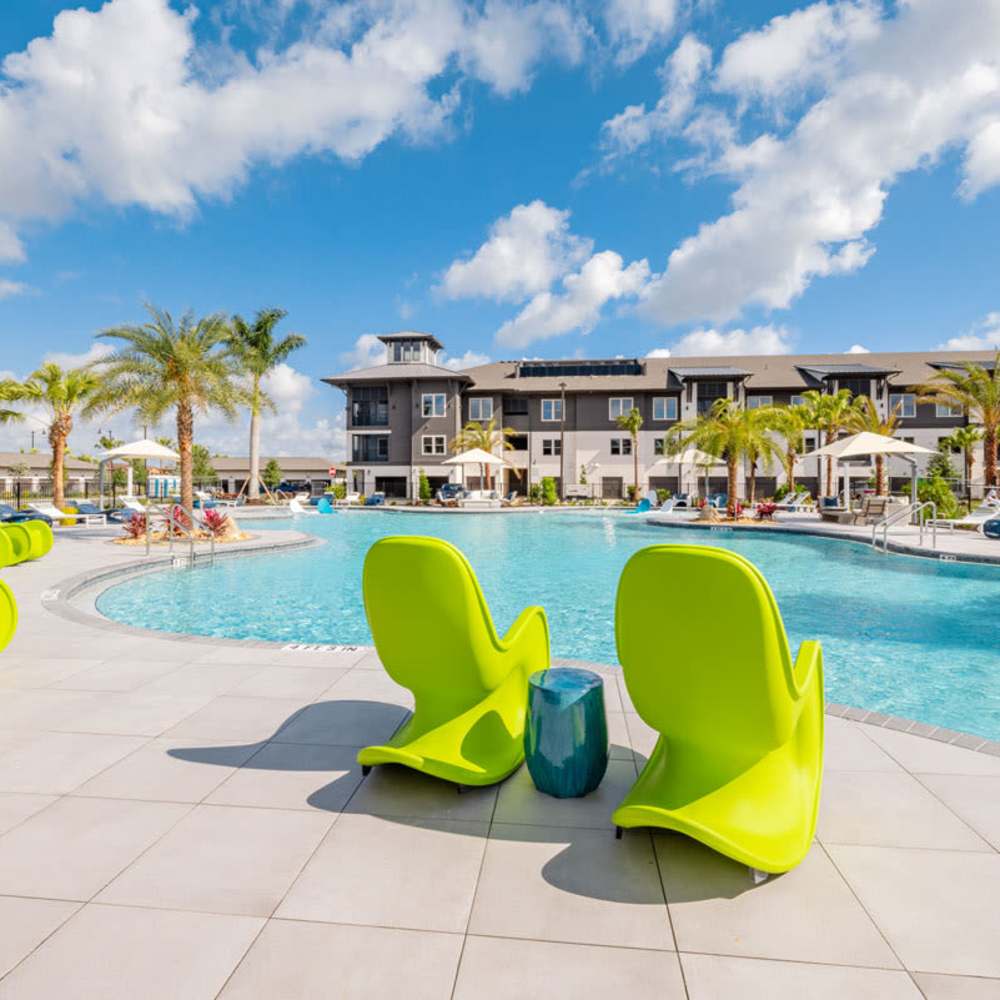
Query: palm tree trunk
{"points": [[990, 454], [753, 483], [635, 460], [733, 475], [790, 471], [829, 465], [58, 435], [185, 440], [253, 487], [879, 475]]}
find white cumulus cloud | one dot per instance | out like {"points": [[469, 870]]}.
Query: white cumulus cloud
{"points": [[525, 252], [367, 352], [470, 359], [8, 289], [603, 278], [984, 336], [634, 25], [123, 104], [765, 339], [857, 349]]}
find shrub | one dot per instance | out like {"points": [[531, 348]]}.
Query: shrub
{"points": [[535, 493], [938, 491], [662, 496], [633, 492], [272, 474], [780, 492], [549, 495], [135, 526], [216, 522], [940, 465], [339, 491], [425, 487], [182, 523]]}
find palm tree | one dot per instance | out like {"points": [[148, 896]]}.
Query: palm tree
{"points": [[732, 432], [965, 440], [975, 388], [632, 422], [486, 436], [62, 392], [790, 422], [257, 352], [865, 416], [163, 365], [828, 413]]}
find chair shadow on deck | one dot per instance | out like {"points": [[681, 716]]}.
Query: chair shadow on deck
{"points": [[591, 863]]}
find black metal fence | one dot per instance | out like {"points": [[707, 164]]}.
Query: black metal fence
{"points": [[20, 492]]}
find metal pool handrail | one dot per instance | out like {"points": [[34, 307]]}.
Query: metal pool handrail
{"points": [[169, 515], [914, 511]]}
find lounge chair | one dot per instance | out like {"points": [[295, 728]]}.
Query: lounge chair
{"points": [[348, 499], [56, 516], [434, 634], [28, 539], [642, 507], [873, 510], [296, 507], [794, 502], [739, 759], [375, 500], [324, 506], [974, 519]]}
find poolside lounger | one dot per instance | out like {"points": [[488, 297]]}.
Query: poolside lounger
{"points": [[28, 539], [739, 760], [8, 614], [295, 506], [642, 507], [794, 503], [324, 506], [348, 499], [56, 515], [434, 634], [974, 519]]}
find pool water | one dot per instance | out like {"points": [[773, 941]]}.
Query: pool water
{"points": [[901, 635]]}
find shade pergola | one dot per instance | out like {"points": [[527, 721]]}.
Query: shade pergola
{"points": [[143, 449], [687, 457], [866, 444]]}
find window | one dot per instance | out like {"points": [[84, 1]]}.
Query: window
{"points": [[369, 447], [659, 446], [797, 401], [908, 440], [480, 407], [708, 393], [903, 404], [664, 407], [856, 386], [514, 406], [518, 442], [433, 444], [551, 446], [619, 406], [551, 409], [621, 446], [946, 410], [755, 402], [370, 406], [433, 404]]}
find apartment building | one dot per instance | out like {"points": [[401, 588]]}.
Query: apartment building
{"points": [[401, 415]]}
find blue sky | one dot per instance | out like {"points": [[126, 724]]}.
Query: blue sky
{"points": [[512, 175]]}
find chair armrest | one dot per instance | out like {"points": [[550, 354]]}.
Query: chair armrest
{"points": [[529, 638], [808, 668]]}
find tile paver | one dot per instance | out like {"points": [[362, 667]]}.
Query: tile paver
{"points": [[294, 877]]}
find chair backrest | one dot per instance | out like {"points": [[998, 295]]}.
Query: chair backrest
{"points": [[703, 648], [430, 622], [295, 507], [324, 506]]}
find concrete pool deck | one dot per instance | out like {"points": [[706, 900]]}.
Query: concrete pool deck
{"points": [[184, 818]]}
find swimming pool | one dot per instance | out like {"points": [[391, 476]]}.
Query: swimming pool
{"points": [[901, 635]]}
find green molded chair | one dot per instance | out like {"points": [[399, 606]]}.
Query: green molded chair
{"points": [[41, 538], [8, 615], [739, 761], [434, 635], [20, 541], [6, 550]]}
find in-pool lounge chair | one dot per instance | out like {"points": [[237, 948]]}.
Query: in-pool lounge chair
{"points": [[739, 759], [434, 635]]}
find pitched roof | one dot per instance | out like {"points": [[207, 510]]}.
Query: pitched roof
{"points": [[389, 338], [39, 462], [765, 371], [402, 372]]}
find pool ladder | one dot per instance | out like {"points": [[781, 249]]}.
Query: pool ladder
{"points": [[175, 527], [915, 512]]}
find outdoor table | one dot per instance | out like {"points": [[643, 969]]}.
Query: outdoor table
{"points": [[566, 736]]}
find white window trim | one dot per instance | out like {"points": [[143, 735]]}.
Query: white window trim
{"points": [[482, 401], [902, 399], [556, 403], [555, 443], [797, 401], [759, 401], [625, 410], [946, 410], [425, 438], [432, 396], [666, 400], [621, 447]]}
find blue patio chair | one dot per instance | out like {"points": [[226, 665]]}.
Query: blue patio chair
{"points": [[324, 506], [641, 507]]}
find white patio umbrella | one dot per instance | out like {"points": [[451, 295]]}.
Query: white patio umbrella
{"points": [[143, 448], [475, 456], [690, 456], [866, 444]]}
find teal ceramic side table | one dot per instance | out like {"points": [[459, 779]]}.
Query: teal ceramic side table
{"points": [[566, 737]]}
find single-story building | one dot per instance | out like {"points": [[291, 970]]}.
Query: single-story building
{"points": [[308, 472], [32, 470]]}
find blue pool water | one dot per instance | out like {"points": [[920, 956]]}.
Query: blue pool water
{"points": [[901, 635]]}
